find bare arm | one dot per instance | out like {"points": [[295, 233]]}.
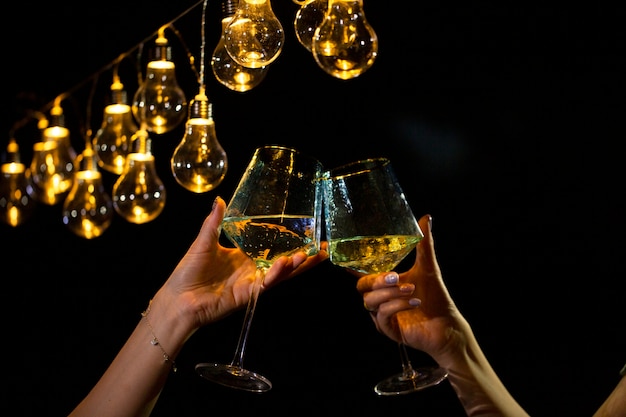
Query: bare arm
{"points": [[132, 383], [209, 283], [615, 404], [416, 308], [476, 384]]}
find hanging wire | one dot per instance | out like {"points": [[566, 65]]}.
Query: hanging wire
{"points": [[201, 79], [108, 66], [190, 57], [138, 69], [37, 115], [87, 125]]}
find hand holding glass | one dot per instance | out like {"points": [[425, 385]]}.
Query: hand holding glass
{"points": [[370, 228], [274, 211]]}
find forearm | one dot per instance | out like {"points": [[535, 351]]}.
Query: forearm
{"points": [[615, 404], [477, 385], [132, 383]]}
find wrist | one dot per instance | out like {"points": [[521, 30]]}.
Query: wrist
{"points": [[169, 323], [460, 347], [154, 341]]}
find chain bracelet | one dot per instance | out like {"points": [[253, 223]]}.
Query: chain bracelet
{"points": [[155, 340]]}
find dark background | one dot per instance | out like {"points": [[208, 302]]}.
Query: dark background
{"points": [[505, 122]]}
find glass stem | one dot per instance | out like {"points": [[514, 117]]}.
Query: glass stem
{"points": [[243, 336], [407, 369]]}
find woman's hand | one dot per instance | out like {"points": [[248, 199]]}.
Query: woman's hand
{"points": [[413, 307], [211, 281]]}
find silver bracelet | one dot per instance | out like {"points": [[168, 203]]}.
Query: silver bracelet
{"points": [[155, 340]]}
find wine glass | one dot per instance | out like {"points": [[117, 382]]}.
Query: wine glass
{"points": [[275, 211], [370, 228]]}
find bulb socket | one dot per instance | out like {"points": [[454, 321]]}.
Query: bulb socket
{"points": [[229, 7], [141, 142], [200, 109], [57, 120], [119, 97], [161, 53]]}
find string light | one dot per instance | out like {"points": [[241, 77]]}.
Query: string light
{"points": [[199, 162], [112, 141], [87, 209], [139, 194], [226, 70], [52, 166], [308, 17], [345, 44], [16, 203], [252, 38], [159, 102]]}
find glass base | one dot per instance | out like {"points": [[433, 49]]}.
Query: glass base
{"points": [[405, 383], [234, 377]]}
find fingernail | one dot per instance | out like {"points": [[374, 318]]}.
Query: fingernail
{"points": [[430, 222], [391, 278], [214, 204], [415, 302], [298, 260], [407, 288]]}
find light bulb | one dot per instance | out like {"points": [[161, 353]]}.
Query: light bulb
{"points": [[199, 162], [308, 17], [139, 194], [159, 102], [16, 204], [112, 141], [228, 72], [52, 166], [88, 209], [254, 37], [345, 44]]}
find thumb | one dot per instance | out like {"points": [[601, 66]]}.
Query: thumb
{"points": [[210, 230], [426, 258]]}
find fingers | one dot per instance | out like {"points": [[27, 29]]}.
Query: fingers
{"points": [[276, 271], [385, 291], [310, 261], [374, 281], [214, 220], [210, 230], [425, 223], [391, 299], [289, 266], [426, 247]]}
